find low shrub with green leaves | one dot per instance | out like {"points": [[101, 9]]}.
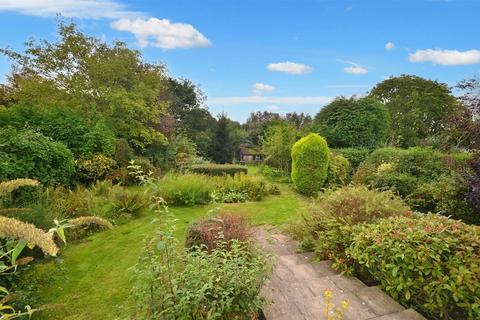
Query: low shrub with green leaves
{"points": [[94, 168], [327, 229], [354, 155], [275, 174], [428, 262], [25, 153], [338, 171], [427, 179], [213, 169], [183, 283], [185, 189], [310, 159]]}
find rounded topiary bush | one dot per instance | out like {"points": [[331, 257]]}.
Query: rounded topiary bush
{"points": [[310, 159], [427, 261]]}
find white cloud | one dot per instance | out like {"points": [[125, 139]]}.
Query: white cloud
{"points": [[272, 108], [89, 9], [389, 46], [162, 33], [445, 57], [356, 70], [259, 88], [290, 67], [270, 100]]}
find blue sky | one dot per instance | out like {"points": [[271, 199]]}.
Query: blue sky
{"points": [[278, 55]]}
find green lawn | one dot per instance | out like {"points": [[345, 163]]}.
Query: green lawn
{"points": [[91, 279]]}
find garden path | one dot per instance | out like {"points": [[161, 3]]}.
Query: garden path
{"points": [[296, 289]]}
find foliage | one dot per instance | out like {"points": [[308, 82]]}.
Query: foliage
{"points": [[427, 179], [26, 153], [123, 152], [274, 174], [217, 232], [429, 262], [7, 187], [339, 171], [328, 227], [223, 148], [240, 186], [353, 122], [277, 145], [126, 203], [310, 159], [184, 189], [197, 284], [83, 137], [218, 169], [419, 108], [354, 155], [473, 183], [84, 75], [95, 168], [138, 173]]}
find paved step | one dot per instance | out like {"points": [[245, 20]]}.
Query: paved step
{"points": [[296, 288]]}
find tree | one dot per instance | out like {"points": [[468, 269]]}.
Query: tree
{"points": [[310, 160], [221, 150], [277, 145], [192, 117], [87, 76], [419, 108], [257, 123], [299, 120], [352, 122], [467, 123]]}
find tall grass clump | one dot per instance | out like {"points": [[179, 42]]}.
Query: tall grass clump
{"points": [[184, 189]]}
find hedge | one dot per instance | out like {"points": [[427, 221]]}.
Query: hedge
{"points": [[428, 262], [212, 169]]}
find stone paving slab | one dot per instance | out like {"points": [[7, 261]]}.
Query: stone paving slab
{"points": [[296, 288]]}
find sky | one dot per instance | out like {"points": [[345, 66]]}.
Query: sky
{"points": [[275, 55]]}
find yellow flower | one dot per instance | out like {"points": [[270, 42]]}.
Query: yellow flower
{"points": [[345, 304], [328, 294]]}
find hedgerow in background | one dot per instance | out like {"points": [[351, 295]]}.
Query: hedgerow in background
{"points": [[327, 228], [427, 179], [28, 154], [213, 169], [353, 122], [310, 159], [428, 262]]}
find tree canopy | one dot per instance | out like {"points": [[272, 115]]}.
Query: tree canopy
{"points": [[352, 122], [419, 108]]}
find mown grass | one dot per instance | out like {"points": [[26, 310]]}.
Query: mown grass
{"points": [[91, 279]]}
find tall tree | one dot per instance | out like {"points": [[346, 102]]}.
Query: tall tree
{"points": [[221, 149], [419, 108], [257, 123], [87, 76], [352, 122], [277, 145]]}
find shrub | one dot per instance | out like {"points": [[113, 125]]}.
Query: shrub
{"points": [[95, 168], [310, 159], [354, 155], [197, 284], [473, 183], [217, 231], [353, 122], [26, 153], [427, 179], [218, 169], [253, 188], [126, 203], [185, 189], [274, 174], [338, 171], [328, 227], [429, 262]]}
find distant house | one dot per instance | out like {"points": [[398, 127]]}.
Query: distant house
{"points": [[251, 155]]}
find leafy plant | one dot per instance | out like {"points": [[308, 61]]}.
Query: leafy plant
{"points": [[327, 229], [427, 261], [310, 159], [184, 189], [338, 171], [217, 232], [197, 284], [94, 168], [252, 188]]}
